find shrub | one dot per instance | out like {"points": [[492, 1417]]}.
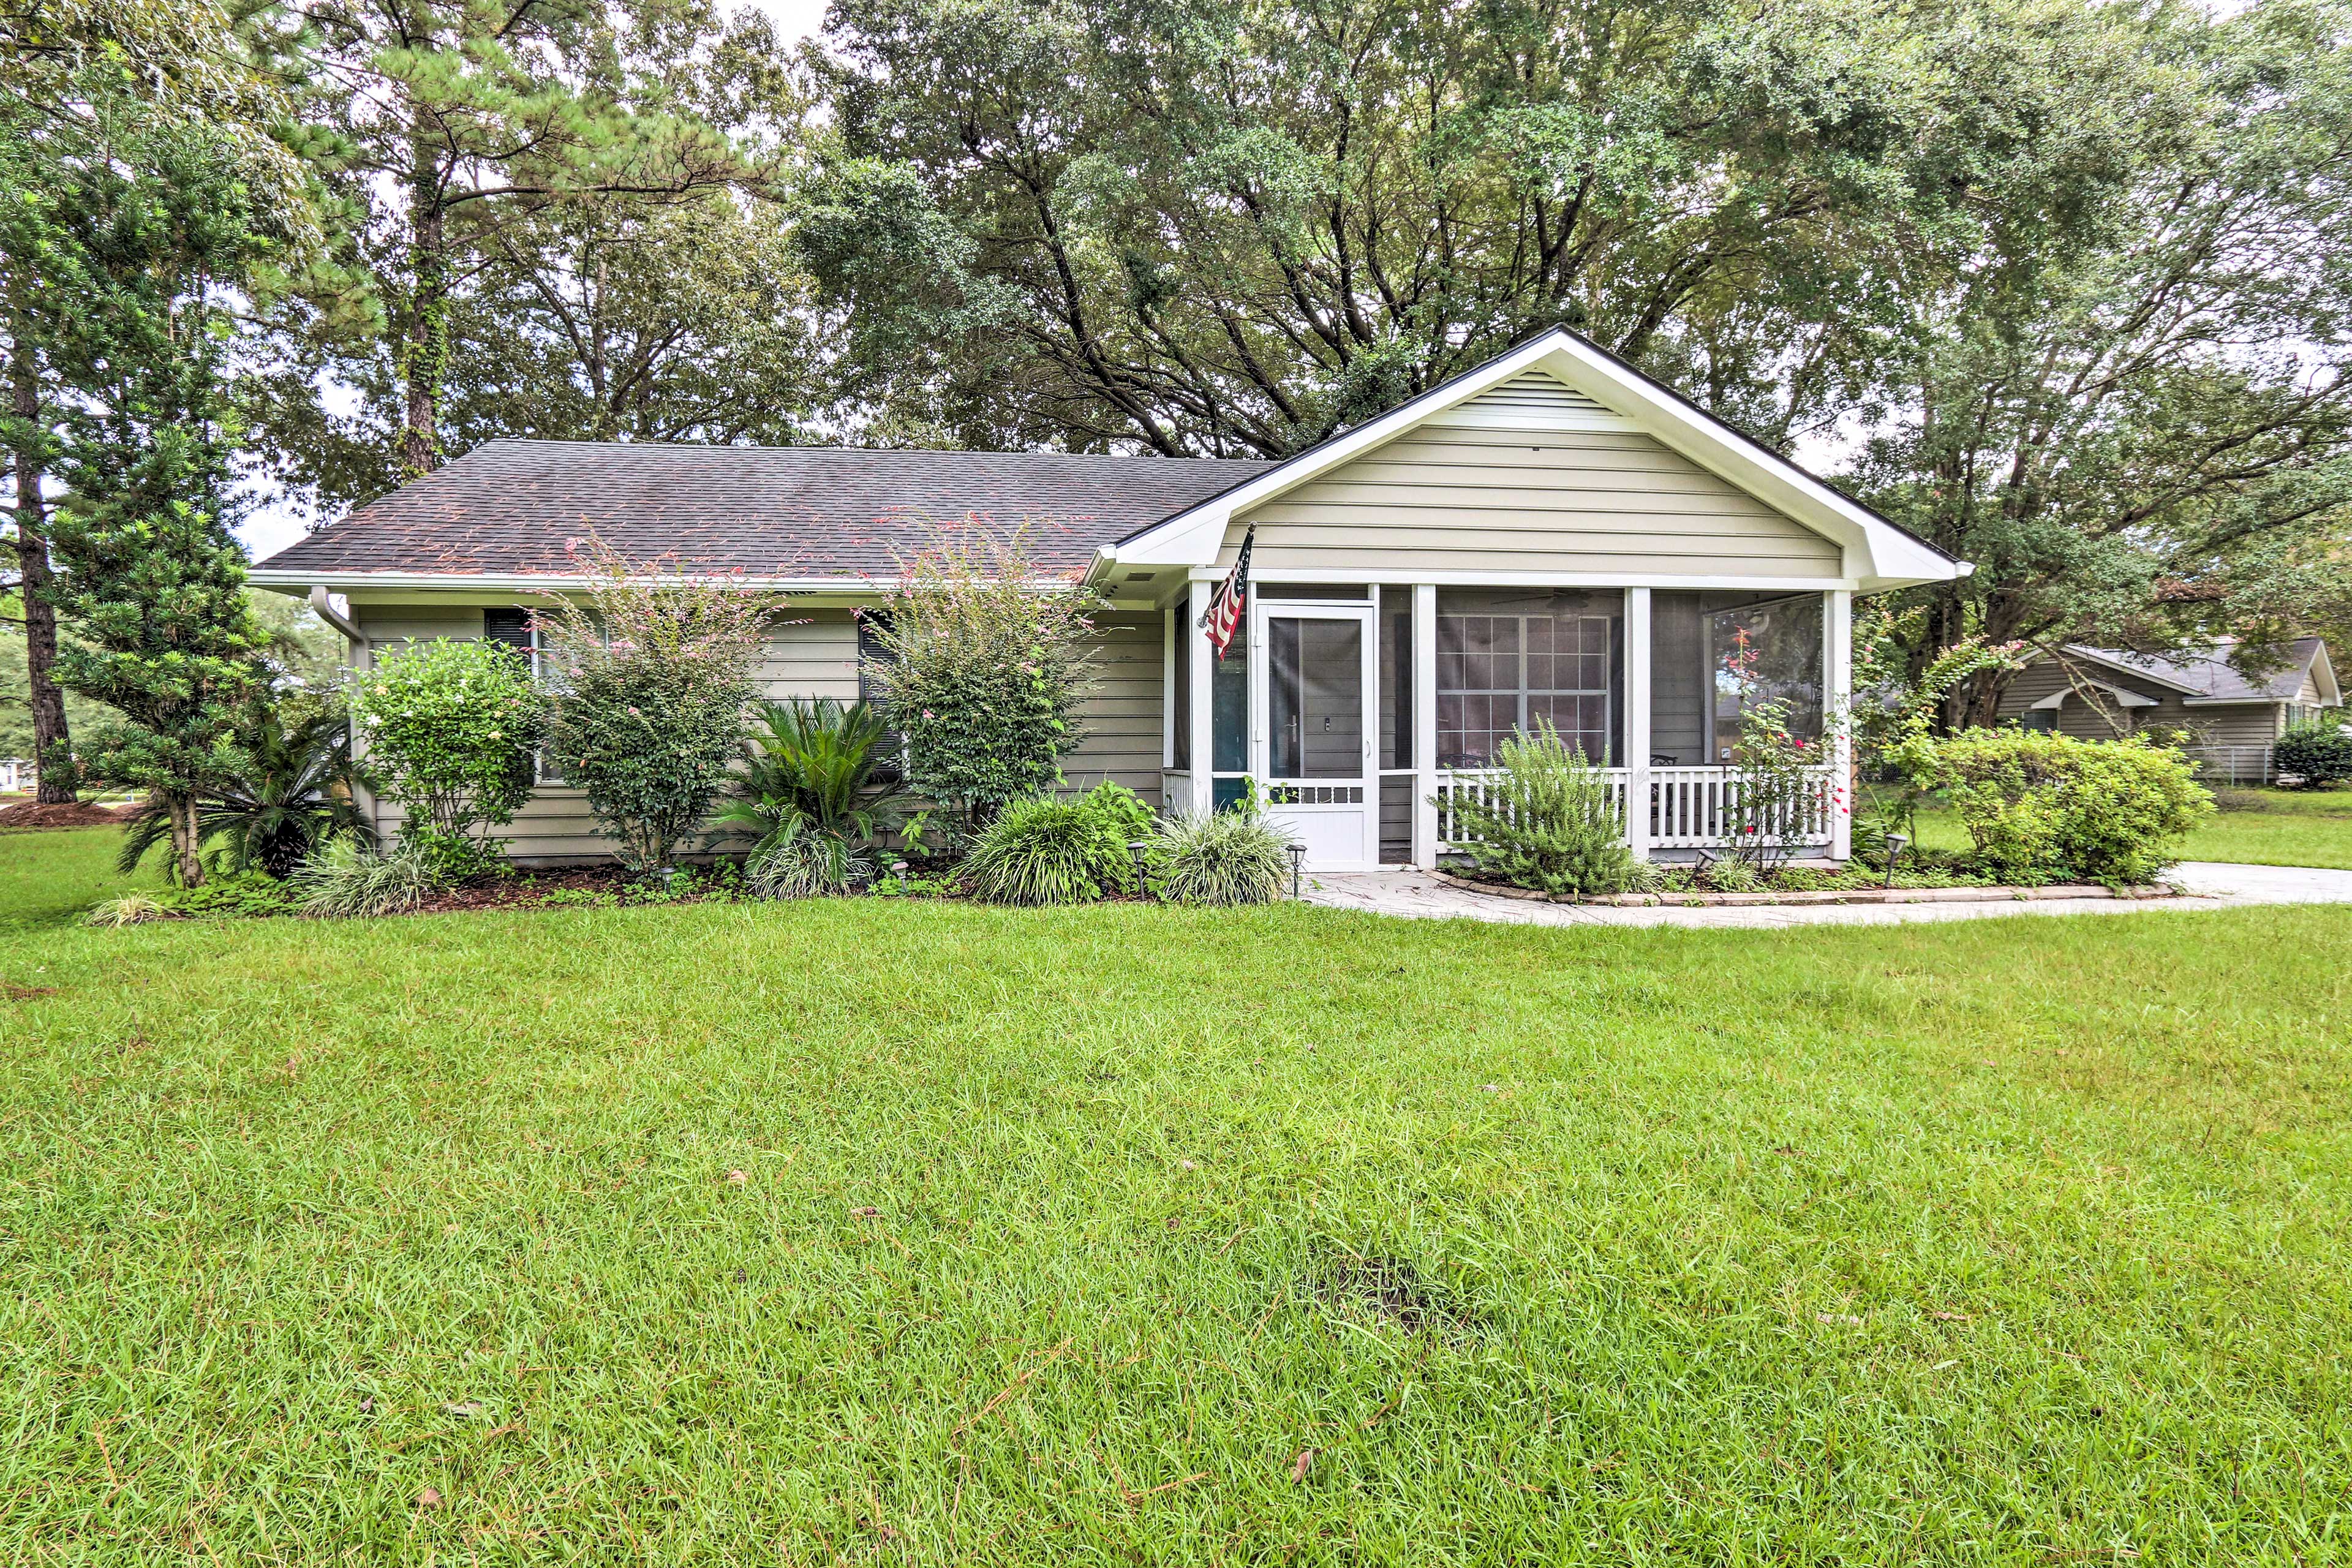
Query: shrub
{"points": [[345, 883], [655, 669], [450, 728], [983, 667], [241, 893], [1126, 820], [1227, 857], [2042, 806], [1546, 820], [803, 860], [1044, 850], [2317, 752]]}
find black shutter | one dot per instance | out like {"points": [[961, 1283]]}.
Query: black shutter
{"points": [[511, 628], [871, 656]]}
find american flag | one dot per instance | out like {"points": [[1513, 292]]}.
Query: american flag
{"points": [[1223, 617]]}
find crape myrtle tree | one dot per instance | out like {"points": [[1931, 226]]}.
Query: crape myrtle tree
{"points": [[653, 666], [986, 656]]}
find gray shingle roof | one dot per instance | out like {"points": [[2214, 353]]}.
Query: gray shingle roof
{"points": [[509, 508], [2207, 673]]}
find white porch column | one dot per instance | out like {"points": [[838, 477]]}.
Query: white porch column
{"points": [[1424, 725], [1204, 674], [1636, 761], [1837, 623]]}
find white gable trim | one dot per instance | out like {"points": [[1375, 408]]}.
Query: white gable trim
{"points": [[1879, 555], [2123, 698], [2323, 668]]}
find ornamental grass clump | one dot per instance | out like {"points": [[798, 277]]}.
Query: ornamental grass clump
{"points": [[1546, 819], [802, 859], [1046, 850], [347, 882], [654, 671], [449, 729], [1224, 859]]}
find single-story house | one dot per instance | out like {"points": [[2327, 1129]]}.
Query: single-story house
{"points": [[1551, 535], [2235, 714]]}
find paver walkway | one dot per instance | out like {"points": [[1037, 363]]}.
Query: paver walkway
{"points": [[2212, 885]]}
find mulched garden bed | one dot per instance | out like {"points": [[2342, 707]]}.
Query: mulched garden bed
{"points": [[40, 814], [1989, 895]]}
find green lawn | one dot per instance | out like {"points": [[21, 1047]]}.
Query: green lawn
{"points": [[1137, 1234], [2259, 828]]}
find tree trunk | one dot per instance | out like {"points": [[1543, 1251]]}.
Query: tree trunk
{"points": [[184, 843], [424, 357], [52, 743]]}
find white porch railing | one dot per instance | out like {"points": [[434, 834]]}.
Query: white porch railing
{"points": [[1689, 808]]}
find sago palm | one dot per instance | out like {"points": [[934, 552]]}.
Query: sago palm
{"points": [[284, 792], [815, 765]]}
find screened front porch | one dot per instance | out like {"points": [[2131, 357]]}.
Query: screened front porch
{"points": [[1363, 710]]}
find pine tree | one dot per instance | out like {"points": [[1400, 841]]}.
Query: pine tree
{"points": [[159, 222], [156, 586]]}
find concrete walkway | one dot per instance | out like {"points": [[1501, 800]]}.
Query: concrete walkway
{"points": [[2212, 885]]}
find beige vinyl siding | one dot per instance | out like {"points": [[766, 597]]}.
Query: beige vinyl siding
{"points": [[392, 626], [2218, 723], [2236, 723], [1122, 715], [1463, 498]]}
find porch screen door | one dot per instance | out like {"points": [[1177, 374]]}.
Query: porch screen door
{"points": [[1319, 677]]}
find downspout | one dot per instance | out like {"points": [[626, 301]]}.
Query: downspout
{"points": [[322, 604], [356, 655]]}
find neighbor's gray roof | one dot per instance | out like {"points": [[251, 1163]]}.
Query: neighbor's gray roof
{"points": [[2207, 674], [506, 508]]}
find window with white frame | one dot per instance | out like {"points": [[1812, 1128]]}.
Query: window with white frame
{"points": [[519, 631], [1506, 661]]}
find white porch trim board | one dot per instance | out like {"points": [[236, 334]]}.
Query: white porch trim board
{"points": [[1636, 760], [1424, 725], [1837, 717]]}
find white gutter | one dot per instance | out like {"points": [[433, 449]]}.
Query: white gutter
{"points": [[467, 581]]}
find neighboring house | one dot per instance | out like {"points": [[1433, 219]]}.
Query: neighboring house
{"points": [[1551, 535], [2234, 715]]}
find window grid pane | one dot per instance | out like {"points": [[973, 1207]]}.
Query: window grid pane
{"points": [[1499, 674]]}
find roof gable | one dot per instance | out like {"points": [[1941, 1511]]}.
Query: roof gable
{"points": [[1597, 387], [2206, 675]]}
